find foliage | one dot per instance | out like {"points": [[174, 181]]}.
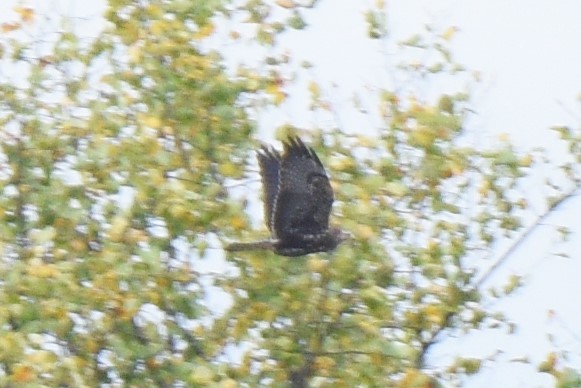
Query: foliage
{"points": [[105, 171], [118, 164]]}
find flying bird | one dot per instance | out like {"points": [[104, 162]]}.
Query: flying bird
{"points": [[297, 202]]}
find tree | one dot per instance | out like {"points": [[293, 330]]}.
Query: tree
{"points": [[115, 152], [120, 160]]}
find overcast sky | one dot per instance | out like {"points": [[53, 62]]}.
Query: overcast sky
{"points": [[529, 57]]}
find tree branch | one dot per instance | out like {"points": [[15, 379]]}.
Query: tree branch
{"points": [[503, 258], [524, 236], [251, 246]]}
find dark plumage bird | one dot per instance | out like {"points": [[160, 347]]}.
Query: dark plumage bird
{"points": [[297, 202]]}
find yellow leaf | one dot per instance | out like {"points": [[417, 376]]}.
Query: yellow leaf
{"points": [[526, 161], [485, 188], [423, 137], [333, 306], [342, 164], [26, 14], [39, 269], [286, 3], [415, 378], [22, 373], [135, 53], [156, 177], [41, 357], [178, 211], [316, 264], [118, 226], [455, 168], [152, 363], [368, 327], [155, 11], [315, 90], [202, 375], [7, 27], [450, 32], [228, 169], [158, 27], [151, 121], [365, 141], [92, 345], [40, 236], [324, 364], [364, 232], [206, 30], [135, 236], [396, 189], [434, 314], [548, 365], [414, 105], [275, 91], [228, 383], [238, 222]]}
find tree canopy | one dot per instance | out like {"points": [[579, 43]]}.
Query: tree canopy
{"points": [[122, 160]]}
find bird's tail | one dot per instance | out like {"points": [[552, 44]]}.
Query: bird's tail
{"points": [[251, 246]]}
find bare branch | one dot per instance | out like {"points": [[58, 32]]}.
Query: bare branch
{"points": [[524, 236], [251, 246], [503, 258]]}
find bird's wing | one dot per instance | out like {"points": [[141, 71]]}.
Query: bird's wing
{"points": [[305, 196], [269, 162]]}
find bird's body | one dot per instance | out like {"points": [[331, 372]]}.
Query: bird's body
{"points": [[297, 202]]}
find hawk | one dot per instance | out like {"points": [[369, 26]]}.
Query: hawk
{"points": [[297, 202]]}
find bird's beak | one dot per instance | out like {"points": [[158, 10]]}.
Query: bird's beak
{"points": [[345, 236]]}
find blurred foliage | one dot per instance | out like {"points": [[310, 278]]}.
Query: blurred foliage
{"points": [[116, 166], [105, 170]]}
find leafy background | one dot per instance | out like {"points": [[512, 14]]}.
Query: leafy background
{"points": [[127, 158]]}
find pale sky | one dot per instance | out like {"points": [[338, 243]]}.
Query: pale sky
{"points": [[528, 55]]}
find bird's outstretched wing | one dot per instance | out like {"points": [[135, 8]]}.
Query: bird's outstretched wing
{"points": [[304, 196], [269, 162]]}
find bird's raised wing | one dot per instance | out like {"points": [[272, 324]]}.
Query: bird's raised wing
{"points": [[304, 199], [269, 162]]}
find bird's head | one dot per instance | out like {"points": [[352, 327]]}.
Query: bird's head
{"points": [[340, 235]]}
